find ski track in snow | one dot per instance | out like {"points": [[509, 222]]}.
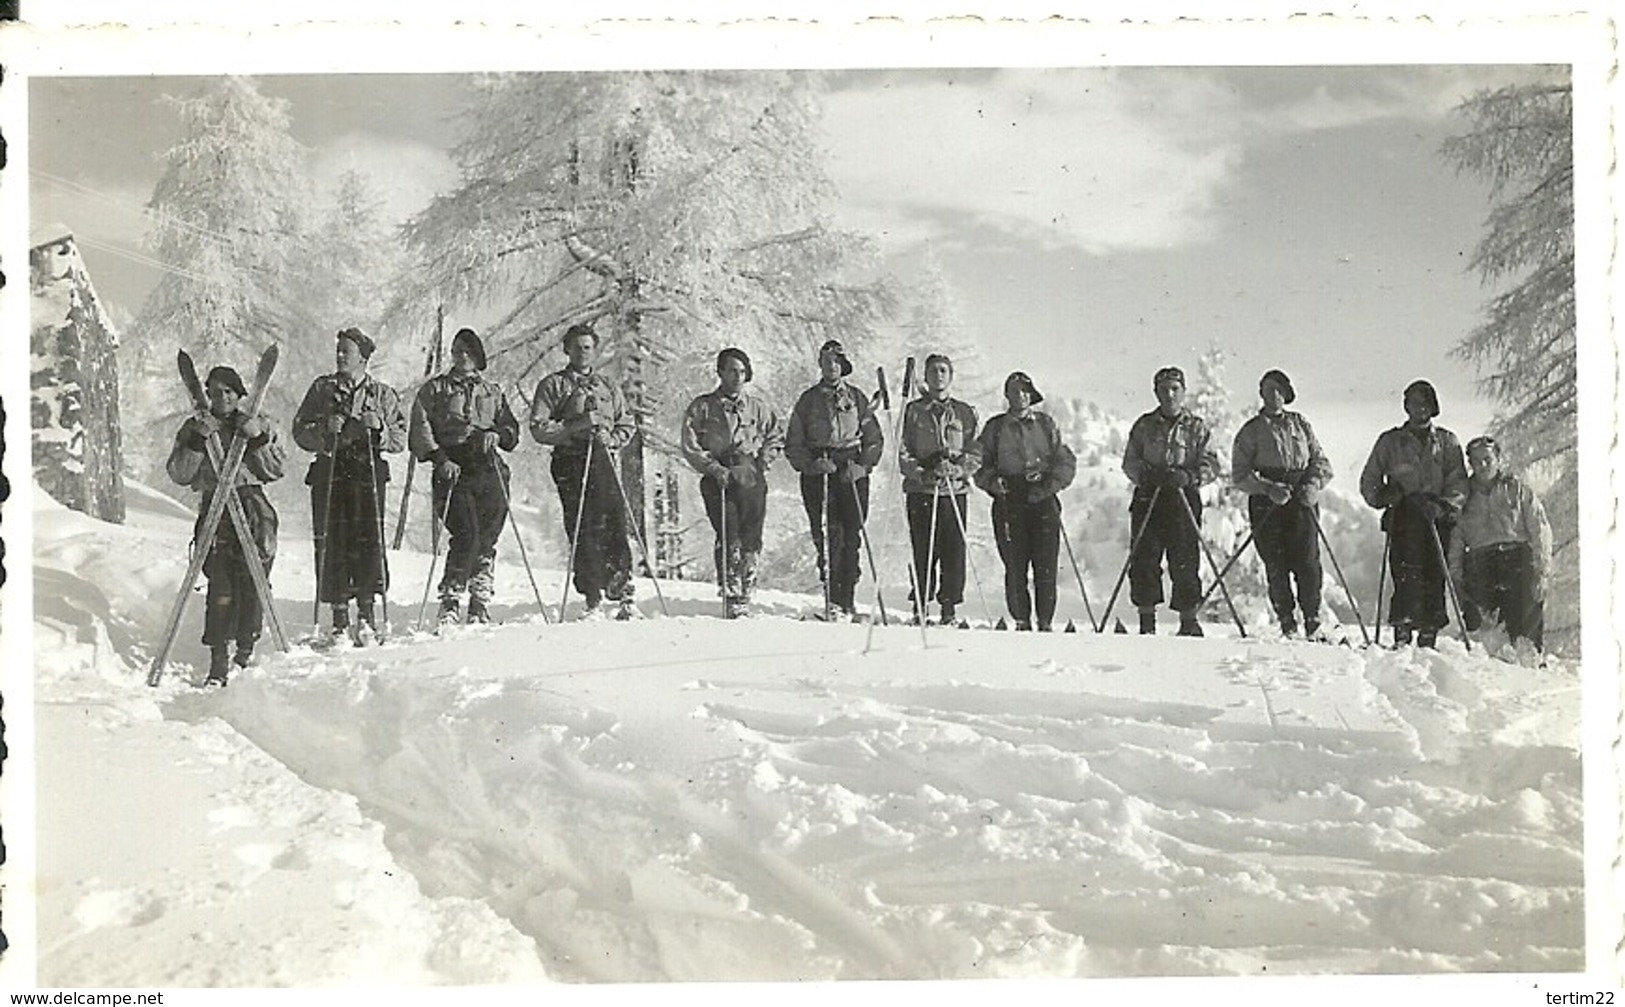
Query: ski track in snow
{"points": [[685, 798]]}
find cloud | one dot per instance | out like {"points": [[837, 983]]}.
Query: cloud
{"points": [[1083, 158]]}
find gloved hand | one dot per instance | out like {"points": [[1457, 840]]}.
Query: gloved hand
{"points": [[948, 472], [371, 420], [1389, 495], [1429, 506], [851, 472], [744, 473], [447, 470], [253, 428], [1000, 486], [485, 441], [1306, 495], [197, 428], [822, 467], [335, 422], [1279, 493]]}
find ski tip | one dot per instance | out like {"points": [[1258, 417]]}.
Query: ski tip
{"points": [[1001, 624], [1071, 627], [1120, 628]]}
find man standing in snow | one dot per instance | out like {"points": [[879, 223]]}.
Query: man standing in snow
{"points": [[1024, 466], [1503, 548], [731, 438], [834, 440], [348, 419], [1168, 456], [459, 420], [233, 612], [1277, 460], [583, 416], [938, 456], [1417, 477]]}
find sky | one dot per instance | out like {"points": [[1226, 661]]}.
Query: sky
{"points": [[1095, 223]]}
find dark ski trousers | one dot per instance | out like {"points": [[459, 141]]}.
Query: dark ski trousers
{"points": [[232, 609], [475, 515], [1168, 532], [1413, 562], [939, 568], [603, 566], [747, 510], [848, 509], [1289, 544], [1029, 540], [351, 558], [1501, 578]]}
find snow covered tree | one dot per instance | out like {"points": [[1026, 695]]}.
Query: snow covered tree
{"points": [[227, 222], [360, 255], [678, 212], [1520, 139], [934, 322]]}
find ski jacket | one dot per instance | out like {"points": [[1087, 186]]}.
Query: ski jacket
{"points": [[938, 431], [1024, 451], [264, 460], [1502, 511], [1280, 448], [559, 409], [1408, 460], [834, 421], [1156, 442], [725, 430], [361, 403], [449, 409]]}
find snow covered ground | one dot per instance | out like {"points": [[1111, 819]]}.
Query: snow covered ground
{"points": [[683, 798]]}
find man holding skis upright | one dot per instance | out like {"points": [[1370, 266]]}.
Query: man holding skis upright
{"points": [[459, 420], [731, 438], [234, 613], [1417, 477], [583, 417], [938, 455], [348, 419], [1277, 460], [1167, 458], [834, 440]]}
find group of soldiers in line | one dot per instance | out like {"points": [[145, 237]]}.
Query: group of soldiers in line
{"points": [[1486, 533]]}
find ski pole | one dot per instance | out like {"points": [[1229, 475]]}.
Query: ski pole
{"points": [[575, 536], [1072, 558], [1133, 547], [964, 540], [1338, 568], [434, 555], [1234, 557], [863, 533], [1190, 516], [1382, 571], [722, 545], [637, 534], [327, 527], [1449, 582], [930, 578], [823, 527], [513, 525], [378, 515]]}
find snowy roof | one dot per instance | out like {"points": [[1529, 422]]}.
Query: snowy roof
{"points": [[48, 234]]}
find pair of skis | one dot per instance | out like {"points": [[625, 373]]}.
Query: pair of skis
{"points": [[227, 462]]}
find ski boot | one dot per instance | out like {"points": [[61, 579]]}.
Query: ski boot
{"points": [[736, 607], [1148, 623], [219, 665], [1188, 626], [477, 612], [947, 614], [451, 612], [366, 624], [1427, 639], [341, 623], [245, 653]]}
